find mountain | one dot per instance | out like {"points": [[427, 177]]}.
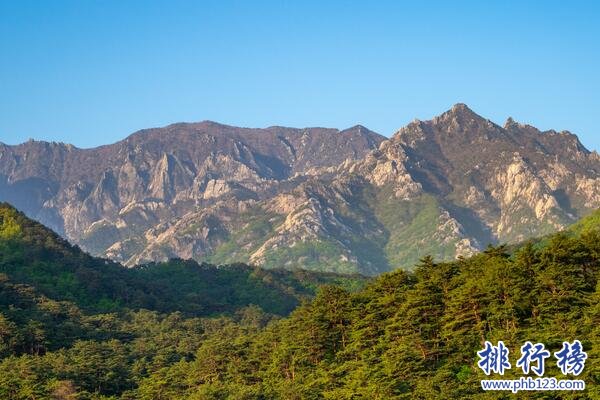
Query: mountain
{"points": [[322, 199], [32, 256], [76, 324], [119, 200], [414, 334], [404, 335]]}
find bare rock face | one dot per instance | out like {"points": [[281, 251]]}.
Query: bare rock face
{"points": [[521, 194], [345, 201], [387, 166], [589, 190]]}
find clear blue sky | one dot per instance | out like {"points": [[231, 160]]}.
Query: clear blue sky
{"points": [[92, 72]]}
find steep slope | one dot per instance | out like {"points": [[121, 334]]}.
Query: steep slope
{"points": [[405, 335], [519, 181], [414, 335], [317, 199], [32, 255], [113, 195], [445, 187], [83, 319]]}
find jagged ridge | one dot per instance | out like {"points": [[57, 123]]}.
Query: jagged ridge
{"points": [[315, 198]]}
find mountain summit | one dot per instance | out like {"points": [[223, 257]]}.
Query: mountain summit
{"points": [[317, 198]]}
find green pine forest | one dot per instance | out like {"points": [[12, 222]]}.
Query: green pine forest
{"points": [[77, 327]]}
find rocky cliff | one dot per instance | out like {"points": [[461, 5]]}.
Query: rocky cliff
{"points": [[314, 198]]}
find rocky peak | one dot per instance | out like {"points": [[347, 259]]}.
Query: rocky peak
{"points": [[457, 126], [409, 135], [511, 123], [572, 141], [460, 114], [346, 199]]}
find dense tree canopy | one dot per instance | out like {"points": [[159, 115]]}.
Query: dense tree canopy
{"points": [[404, 335], [31, 254]]}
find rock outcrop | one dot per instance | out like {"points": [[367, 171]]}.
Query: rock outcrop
{"points": [[346, 201]]}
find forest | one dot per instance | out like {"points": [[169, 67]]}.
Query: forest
{"points": [[77, 327]]}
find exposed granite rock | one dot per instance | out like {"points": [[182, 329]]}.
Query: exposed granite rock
{"points": [[315, 198]]}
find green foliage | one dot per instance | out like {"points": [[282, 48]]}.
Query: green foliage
{"points": [[412, 226], [40, 258], [407, 334], [588, 224], [256, 226], [310, 255], [9, 228]]}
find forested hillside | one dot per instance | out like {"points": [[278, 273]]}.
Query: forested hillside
{"points": [[404, 335], [31, 254], [56, 298]]}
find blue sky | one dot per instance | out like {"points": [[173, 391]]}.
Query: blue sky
{"points": [[92, 72]]}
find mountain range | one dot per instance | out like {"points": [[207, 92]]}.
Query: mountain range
{"points": [[323, 199], [78, 327]]}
